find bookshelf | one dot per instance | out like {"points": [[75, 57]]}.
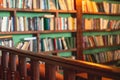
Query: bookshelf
{"points": [[56, 21], [92, 28], [100, 30]]}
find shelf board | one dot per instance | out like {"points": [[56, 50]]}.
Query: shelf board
{"points": [[37, 10], [58, 51], [102, 13], [105, 30], [98, 47], [20, 32], [57, 31], [37, 32]]}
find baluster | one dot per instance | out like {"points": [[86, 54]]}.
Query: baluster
{"points": [[35, 75], [69, 74], [94, 77], [5, 65], [22, 68], [50, 71], [13, 66]]}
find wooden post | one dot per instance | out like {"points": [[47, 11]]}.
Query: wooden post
{"points": [[13, 66], [5, 65], [69, 74], [50, 71], [22, 68], [35, 70], [94, 77]]}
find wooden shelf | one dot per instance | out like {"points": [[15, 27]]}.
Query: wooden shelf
{"points": [[105, 30], [98, 47], [57, 31], [15, 13], [59, 51], [101, 13], [38, 32], [37, 10]]}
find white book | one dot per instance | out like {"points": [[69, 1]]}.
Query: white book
{"points": [[64, 43], [21, 24], [30, 38], [10, 43], [49, 16], [52, 4], [29, 4], [42, 24], [50, 44], [4, 24], [45, 44], [42, 4], [65, 24]]}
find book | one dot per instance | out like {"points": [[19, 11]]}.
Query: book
{"points": [[64, 43], [48, 22], [26, 45], [1, 3], [95, 8], [4, 24], [62, 4], [67, 39], [6, 40], [34, 4], [52, 5], [68, 4], [106, 6], [6, 36], [88, 24]]}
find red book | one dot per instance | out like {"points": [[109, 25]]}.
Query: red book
{"points": [[1, 3]]}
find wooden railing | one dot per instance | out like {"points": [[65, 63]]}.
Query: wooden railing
{"points": [[14, 67]]}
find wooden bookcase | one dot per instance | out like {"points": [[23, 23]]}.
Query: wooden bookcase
{"points": [[101, 23], [80, 52], [32, 11]]}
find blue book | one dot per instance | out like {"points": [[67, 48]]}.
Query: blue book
{"points": [[46, 23]]}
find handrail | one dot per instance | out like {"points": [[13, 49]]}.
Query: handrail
{"points": [[69, 66]]}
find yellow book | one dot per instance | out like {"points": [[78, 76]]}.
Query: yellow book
{"points": [[70, 23], [84, 6], [89, 6], [88, 24], [62, 4], [34, 4], [25, 45], [7, 36], [68, 4], [94, 6], [52, 5]]}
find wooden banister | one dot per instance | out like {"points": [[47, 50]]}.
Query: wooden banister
{"points": [[9, 72]]}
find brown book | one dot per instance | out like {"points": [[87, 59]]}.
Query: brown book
{"points": [[7, 36]]}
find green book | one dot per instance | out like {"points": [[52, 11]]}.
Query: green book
{"points": [[68, 42]]}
